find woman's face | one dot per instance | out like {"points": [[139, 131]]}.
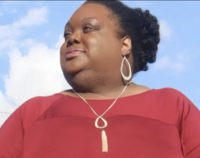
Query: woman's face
{"points": [[92, 47]]}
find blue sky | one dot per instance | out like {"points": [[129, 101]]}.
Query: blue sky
{"points": [[31, 34]]}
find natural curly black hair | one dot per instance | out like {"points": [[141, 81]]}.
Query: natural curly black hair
{"points": [[141, 26]]}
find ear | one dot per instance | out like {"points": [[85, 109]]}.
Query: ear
{"points": [[126, 45]]}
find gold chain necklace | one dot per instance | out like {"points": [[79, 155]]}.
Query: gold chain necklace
{"points": [[103, 133]]}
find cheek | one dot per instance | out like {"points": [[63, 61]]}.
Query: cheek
{"points": [[97, 47], [94, 45], [103, 50]]}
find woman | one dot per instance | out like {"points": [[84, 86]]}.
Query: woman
{"points": [[105, 114]]}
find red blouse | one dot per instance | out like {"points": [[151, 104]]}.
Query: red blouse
{"points": [[159, 123]]}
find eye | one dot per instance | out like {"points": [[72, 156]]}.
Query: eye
{"points": [[87, 28], [66, 34]]}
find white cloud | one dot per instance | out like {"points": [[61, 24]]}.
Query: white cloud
{"points": [[6, 43], [27, 43], [37, 73], [35, 16], [10, 6], [165, 30], [34, 72], [59, 42], [8, 31], [177, 65]]}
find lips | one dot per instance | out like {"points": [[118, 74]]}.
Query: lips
{"points": [[73, 52]]}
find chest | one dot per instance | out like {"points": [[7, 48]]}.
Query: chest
{"points": [[77, 137]]}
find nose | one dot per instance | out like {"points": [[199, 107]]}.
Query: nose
{"points": [[73, 39]]}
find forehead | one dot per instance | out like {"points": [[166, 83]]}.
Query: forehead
{"points": [[90, 10]]}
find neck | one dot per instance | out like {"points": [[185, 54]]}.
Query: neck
{"points": [[101, 90], [111, 94], [97, 87]]}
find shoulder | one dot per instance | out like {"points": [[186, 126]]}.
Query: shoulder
{"points": [[172, 105], [40, 102], [30, 110], [172, 99], [170, 93]]}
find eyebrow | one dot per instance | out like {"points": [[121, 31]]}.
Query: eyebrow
{"points": [[88, 18], [68, 24]]}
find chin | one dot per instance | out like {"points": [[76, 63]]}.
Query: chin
{"points": [[72, 74], [84, 80], [74, 79], [74, 65]]}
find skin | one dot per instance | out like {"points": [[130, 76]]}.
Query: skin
{"points": [[95, 74]]}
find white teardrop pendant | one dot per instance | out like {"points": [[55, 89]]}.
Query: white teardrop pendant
{"points": [[103, 133], [104, 121], [104, 141]]}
